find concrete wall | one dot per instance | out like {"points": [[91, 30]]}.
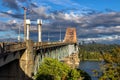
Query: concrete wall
{"points": [[26, 61], [53, 52], [73, 48], [9, 57]]}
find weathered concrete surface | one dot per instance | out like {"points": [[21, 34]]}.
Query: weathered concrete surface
{"points": [[27, 61], [12, 71], [72, 60], [9, 58]]}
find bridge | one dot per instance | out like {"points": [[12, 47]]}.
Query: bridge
{"points": [[20, 60]]}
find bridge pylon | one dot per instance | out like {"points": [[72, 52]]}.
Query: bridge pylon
{"points": [[70, 36]]}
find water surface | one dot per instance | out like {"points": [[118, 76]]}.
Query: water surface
{"points": [[90, 67]]}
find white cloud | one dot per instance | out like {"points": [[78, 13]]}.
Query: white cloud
{"points": [[9, 11], [106, 38], [12, 21]]}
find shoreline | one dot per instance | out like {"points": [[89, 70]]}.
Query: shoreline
{"points": [[91, 60]]}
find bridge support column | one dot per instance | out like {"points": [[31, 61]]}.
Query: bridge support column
{"points": [[28, 28], [39, 22], [27, 61]]}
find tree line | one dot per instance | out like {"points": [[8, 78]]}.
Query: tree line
{"points": [[93, 51]]}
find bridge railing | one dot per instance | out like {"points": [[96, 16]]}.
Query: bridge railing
{"points": [[9, 47], [48, 44], [14, 46]]}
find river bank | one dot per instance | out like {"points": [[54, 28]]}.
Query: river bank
{"points": [[72, 60], [91, 60]]}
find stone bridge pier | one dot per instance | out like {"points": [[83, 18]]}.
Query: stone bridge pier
{"points": [[26, 61]]}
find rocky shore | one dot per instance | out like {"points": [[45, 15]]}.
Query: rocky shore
{"points": [[72, 60]]}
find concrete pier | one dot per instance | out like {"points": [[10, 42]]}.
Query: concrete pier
{"points": [[27, 60], [72, 60]]}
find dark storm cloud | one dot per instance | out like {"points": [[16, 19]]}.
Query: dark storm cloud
{"points": [[6, 26], [71, 19], [12, 4], [22, 0], [11, 25], [102, 19], [90, 26], [94, 35], [34, 5], [19, 16]]}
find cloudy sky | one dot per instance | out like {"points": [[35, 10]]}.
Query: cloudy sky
{"points": [[95, 20]]}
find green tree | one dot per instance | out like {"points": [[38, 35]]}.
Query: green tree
{"points": [[73, 74], [111, 68], [52, 69]]}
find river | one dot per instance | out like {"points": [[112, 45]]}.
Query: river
{"points": [[90, 67]]}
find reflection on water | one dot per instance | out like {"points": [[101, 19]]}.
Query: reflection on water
{"points": [[92, 68]]}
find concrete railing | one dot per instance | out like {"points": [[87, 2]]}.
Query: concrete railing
{"points": [[14, 47], [48, 44]]}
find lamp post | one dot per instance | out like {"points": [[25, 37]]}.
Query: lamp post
{"points": [[25, 34], [19, 34], [48, 37], [60, 34]]}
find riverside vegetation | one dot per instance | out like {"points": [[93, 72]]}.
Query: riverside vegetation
{"points": [[111, 65], [52, 69], [108, 54]]}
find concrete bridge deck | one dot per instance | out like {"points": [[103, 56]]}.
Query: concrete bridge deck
{"points": [[11, 47]]}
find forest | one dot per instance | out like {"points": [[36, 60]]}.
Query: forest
{"points": [[93, 51]]}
